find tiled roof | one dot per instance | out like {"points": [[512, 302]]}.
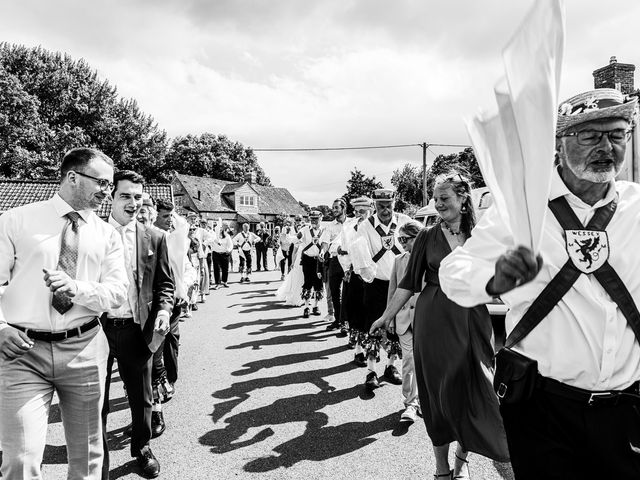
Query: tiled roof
{"points": [[272, 200], [210, 190], [15, 193]]}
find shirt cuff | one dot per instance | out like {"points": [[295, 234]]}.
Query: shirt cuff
{"points": [[163, 313]]}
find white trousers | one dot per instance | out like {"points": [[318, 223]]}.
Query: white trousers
{"points": [[75, 369], [409, 384]]}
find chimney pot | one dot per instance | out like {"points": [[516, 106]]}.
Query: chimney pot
{"points": [[613, 59]]}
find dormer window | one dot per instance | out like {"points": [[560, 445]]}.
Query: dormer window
{"points": [[248, 200]]}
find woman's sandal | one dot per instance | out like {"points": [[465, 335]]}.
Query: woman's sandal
{"points": [[444, 475], [461, 477]]}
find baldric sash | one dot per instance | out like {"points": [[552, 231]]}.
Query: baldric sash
{"points": [[388, 240], [246, 240], [581, 260], [314, 239]]}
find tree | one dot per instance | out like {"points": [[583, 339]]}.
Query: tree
{"points": [[306, 207], [463, 162], [61, 103], [208, 155], [359, 185], [408, 184]]}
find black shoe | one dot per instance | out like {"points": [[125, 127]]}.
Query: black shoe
{"points": [[194, 307], [157, 424], [246, 280], [359, 360], [392, 375], [342, 333], [333, 326], [148, 463], [128, 430], [305, 314], [241, 279], [316, 311], [372, 381]]}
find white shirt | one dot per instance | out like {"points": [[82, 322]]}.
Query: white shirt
{"points": [[310, 235], [30, 238], [245, 240], [331, 236], [585, 340], [222, 244], [130, 248], [374, 242]]}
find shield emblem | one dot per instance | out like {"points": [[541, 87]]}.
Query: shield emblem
{"points": [[587, 249], [387, 242]]}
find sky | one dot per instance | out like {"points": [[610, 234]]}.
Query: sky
{"points": [[315, 73]]}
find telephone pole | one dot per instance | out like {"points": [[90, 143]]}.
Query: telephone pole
{"points": [[425, 198]]}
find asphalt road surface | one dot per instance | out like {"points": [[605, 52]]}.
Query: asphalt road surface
{"points": [[264, 393]]}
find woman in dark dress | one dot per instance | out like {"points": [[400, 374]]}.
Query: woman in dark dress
{"points": [[452, 345]]}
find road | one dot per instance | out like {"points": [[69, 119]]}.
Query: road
{"points": [[264, 393]]}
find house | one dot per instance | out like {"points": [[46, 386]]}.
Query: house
{"points": [[15, 193], [234, 202]]}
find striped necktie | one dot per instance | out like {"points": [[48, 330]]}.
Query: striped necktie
{"points": [[68, 261]]}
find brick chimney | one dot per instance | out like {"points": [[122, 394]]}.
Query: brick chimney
{"points": [[250, 176], [615, 75]]}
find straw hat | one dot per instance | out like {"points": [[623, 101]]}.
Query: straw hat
{"points": [[361, 202], [315, 214], [598, 104], [383, 195]]}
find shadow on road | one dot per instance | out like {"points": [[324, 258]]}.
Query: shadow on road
{"points": [[317, 443], [262, 321], [251, 291], [316, 336], [239, 391], [253, 367]]}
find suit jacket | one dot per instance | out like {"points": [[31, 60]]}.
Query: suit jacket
{"points": [[405, 316], [154, 282]]}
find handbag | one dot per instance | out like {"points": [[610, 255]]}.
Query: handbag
{"points": [[515, 376]]}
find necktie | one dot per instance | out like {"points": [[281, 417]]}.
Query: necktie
{"points": [[68, 261]]}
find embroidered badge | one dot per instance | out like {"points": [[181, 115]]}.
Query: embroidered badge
{"points": [[387, 242], [587, 249]]}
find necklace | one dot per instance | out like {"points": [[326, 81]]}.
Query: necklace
{"points": [[450, 230]]}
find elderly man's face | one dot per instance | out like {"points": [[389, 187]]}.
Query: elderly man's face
{"points": [[384, 210], [598, 163]]}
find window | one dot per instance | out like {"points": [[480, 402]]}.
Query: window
{"points": [[247, 200]]}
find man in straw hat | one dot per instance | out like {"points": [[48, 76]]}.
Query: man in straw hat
{"points": [[310, 259], [380, 233], [352, 290], [574, 413]]}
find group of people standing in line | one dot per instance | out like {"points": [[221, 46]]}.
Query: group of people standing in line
{"points": [[81, 293]]}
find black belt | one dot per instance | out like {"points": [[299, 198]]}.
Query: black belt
{"points": [[587, 397], [57, 336], [119, 322]]}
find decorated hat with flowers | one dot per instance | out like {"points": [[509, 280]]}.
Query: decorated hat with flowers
{"points": [[599, 104]]}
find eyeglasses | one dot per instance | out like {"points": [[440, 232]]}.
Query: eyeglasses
{"points": [[103, 183], [619, 136], [404, 240]]}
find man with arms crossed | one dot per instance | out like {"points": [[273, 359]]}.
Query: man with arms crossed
{"points": [[64, 266], [136, 329], [581, 419]]}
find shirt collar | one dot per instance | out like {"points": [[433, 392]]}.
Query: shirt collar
{"points": [[560, 189], [62, 208], [376, 221], [128, 227]]}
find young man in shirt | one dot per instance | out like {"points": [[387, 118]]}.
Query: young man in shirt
{"points": [[137, 328], [50, 338], [262, 246], [581, 419], [330, 243]]}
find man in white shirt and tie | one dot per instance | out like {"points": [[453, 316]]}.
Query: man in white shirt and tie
{"points": [[581, 419], [136, 329], [50, 338]]}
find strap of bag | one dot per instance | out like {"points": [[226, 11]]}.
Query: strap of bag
{"points": [[568, 274]]}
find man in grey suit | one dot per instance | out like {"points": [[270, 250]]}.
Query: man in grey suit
{"points": [[136, 329]]}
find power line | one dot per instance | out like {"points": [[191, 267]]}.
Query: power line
{"points": [[368, 147]]}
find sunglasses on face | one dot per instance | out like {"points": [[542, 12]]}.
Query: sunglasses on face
{"points": [[403, 240]]}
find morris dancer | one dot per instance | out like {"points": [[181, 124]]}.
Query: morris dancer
{"points": [[380, 235], [245, 241], [311, 268], [352, 289]]}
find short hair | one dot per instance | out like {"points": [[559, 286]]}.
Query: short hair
{"points": [[133, 177], [164, 204], [411, 228], [245, 224], [342, 202], [79, 158]]}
